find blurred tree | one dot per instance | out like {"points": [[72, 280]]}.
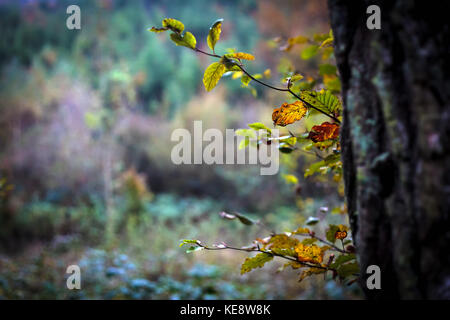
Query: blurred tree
{"points": [[395, 143]]}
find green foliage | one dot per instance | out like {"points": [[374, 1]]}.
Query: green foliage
{"points": [[257, 261], [323, 100], [348, 269]]}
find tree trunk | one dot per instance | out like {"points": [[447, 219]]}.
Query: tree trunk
{"points": [[395, 142]]}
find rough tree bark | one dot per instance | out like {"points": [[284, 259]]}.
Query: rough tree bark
{"points": [[395, 142]]}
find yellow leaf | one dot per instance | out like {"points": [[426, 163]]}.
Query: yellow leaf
{"points": [[190, 40], [309, 253], [186, 40], [288, 113], [237, 75], [289, 178], [174, 25], [240, 55], [281, 241], [212, 75], [267, 73], [214, 34]]}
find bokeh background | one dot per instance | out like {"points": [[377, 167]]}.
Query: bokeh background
{"points": [[86, 177]]}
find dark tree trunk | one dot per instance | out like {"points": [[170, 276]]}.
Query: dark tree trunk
{"points": [[395, 142]]}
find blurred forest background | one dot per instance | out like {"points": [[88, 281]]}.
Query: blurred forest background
{"points": [[85, 171]]}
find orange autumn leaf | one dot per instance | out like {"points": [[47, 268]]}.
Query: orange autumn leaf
{"points": [[288, 113], [309, 253], [325, 131], [341, 233]]}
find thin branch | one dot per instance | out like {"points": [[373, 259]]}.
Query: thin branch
{"points": [[260, 82], [208, 54], [268, 252], [272, 87]]}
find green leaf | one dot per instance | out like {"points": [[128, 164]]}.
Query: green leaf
{"points": [[212, 75], [332, 159], [246, 133], [285, 150], [244, 143], [324, 101], [241, 218], [244, 219], [214, 34], [348, 269], [309, 241], [193, 249], [296, 77], [186, 241], [174, 25], [343, 258], [259, 126], [257, 261], [313, 168], [309, 52]]}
